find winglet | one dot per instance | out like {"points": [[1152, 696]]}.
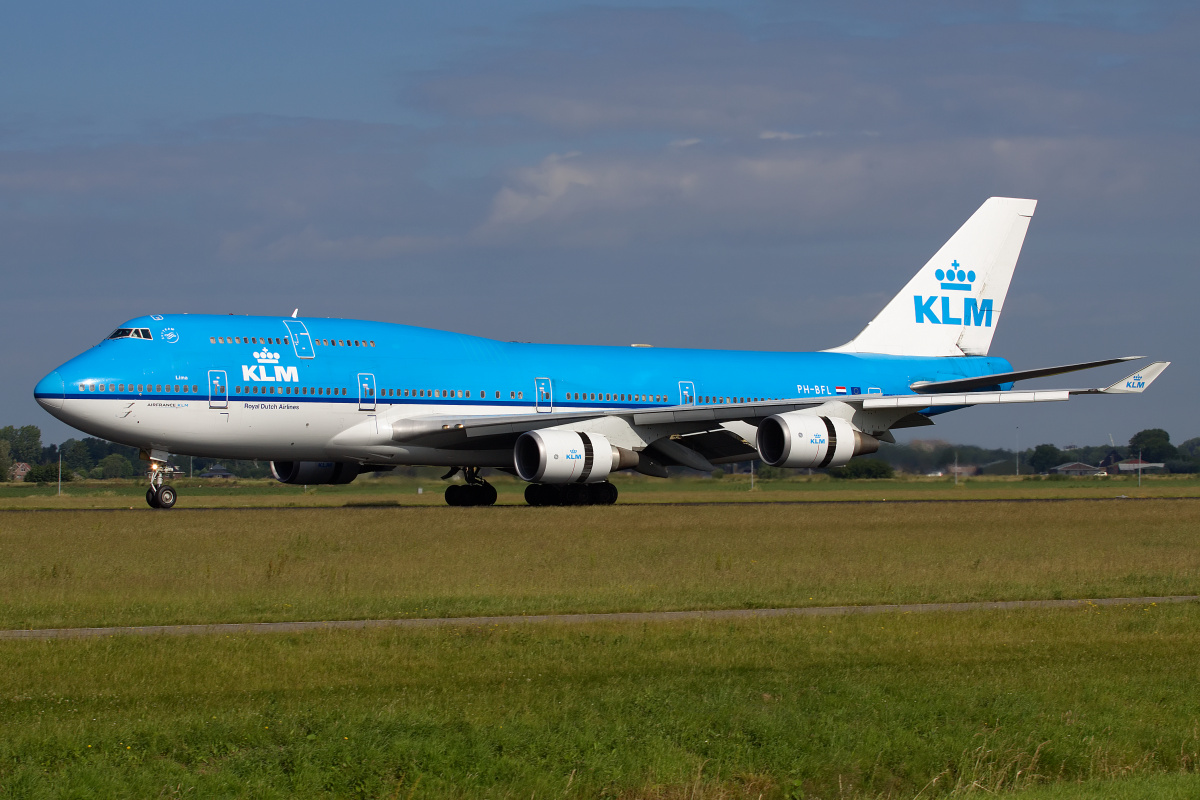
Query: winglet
{"points": [[1138, 382]]}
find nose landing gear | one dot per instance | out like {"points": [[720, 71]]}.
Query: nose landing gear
{"points": [[159, 495], [475, 492]]}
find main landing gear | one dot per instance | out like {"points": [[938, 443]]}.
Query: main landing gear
{"points": [[571, 494], [159, 495], [475, 492]]}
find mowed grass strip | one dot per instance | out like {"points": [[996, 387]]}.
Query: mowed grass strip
{"points": [[403, 491], [75, 569], [893, 706]]}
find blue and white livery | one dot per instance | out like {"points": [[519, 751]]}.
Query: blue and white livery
{"points": [[326, 399]]}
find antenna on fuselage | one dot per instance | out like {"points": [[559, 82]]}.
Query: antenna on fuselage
{"points": [[294, 313]]}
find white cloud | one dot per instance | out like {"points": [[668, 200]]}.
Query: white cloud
{"points": [[782, 136]]}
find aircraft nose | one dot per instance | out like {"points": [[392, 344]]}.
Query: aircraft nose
{"points": [[51, 391]]}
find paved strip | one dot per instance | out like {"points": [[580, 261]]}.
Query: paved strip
{"points": [[573, 619], [399, 505]]}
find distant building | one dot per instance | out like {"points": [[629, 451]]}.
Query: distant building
{"points": [[216, 471], [1077, 469], [18, 471], [1135, 465]]}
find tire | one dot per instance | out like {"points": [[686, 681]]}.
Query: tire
{"points": [[454, 495], [601, 494], [487, 495], [166, 496], [533, 494], [575, 494], [152, 498]]}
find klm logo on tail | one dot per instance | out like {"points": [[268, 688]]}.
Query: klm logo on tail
{"points": [[970, 311], [1135, 382]]}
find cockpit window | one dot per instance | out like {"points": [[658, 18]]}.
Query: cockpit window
{"points": [[131, 333]]}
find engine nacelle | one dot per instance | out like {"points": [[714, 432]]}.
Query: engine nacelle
{"points": [[568, 457], [311, 473], [797, 440]]}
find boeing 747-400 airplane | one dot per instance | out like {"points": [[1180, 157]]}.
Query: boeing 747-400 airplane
{"points": [[326, 399]]}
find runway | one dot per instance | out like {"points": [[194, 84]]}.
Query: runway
{"points": [[575, 619]]}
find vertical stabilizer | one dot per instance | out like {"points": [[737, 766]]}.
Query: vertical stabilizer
{"points": [[952, 306]]}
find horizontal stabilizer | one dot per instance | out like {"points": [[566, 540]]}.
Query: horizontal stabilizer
{"points": [[984, 381], [1139, 381]]}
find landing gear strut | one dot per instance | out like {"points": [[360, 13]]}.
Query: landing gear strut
{"points": [[159, 495], [571, 494], [475, 492]]}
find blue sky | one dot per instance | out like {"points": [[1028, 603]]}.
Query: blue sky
{"points": [[734, 175]]}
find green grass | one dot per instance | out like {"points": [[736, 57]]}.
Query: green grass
{"points": [[1098, 702], [78, 568], [197, 493]]}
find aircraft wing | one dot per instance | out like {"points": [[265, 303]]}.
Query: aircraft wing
{"points": [[451, 431], [985, 381]]}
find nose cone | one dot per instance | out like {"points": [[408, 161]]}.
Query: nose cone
{"points": [[51, 391]]}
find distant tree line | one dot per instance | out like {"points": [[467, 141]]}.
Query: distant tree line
{"points": [[92, 459], [97, 459]]}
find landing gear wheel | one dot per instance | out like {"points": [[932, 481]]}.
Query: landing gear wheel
{"points": [[166, 496], [472, 494], [571, 494], [152, 498], [487, 495], [601, 494]]}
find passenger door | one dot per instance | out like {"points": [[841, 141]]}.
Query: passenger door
{"points": [[366, 391], [543, 395], [218, 389], [300, 338], [687, 393]]}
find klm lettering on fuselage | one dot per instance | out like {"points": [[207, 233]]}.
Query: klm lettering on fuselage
{"points": [[971, 312], [259, 373]]}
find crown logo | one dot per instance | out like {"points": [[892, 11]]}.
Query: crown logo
{"points": [[955, 278], [265, 356]]}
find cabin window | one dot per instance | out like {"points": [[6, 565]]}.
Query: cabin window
{"points": [[220, 340], [237, 390], [512, 395], [520, 395], [285, 340], [372, 343], [212, 340]]}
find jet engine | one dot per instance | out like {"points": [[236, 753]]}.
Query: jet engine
{"points": [[795, 439], [310, 473], [568, 457]]}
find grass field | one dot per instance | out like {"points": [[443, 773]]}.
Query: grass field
{"points": [[79, 568], [1035, 705], [1097, 702], [197, 493]]}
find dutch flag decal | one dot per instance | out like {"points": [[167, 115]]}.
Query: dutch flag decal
{"points": [[839, 389]]}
